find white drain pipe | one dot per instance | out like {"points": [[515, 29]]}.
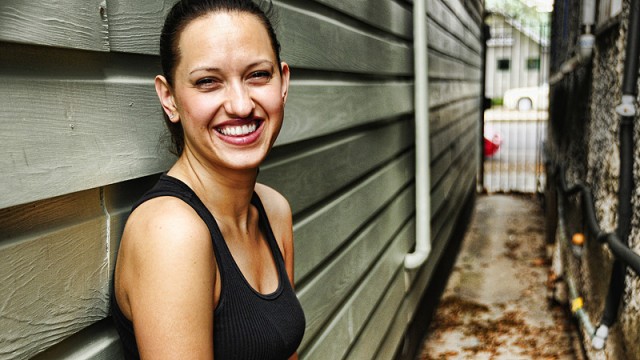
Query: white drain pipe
{"points": [[421, 104]]}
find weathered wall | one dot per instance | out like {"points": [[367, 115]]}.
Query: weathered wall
{"points": [[584, 132], [81, 137]]}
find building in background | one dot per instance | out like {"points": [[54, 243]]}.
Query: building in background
{"points": [[517, 55]]}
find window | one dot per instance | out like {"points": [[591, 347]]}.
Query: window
{"points": [[533, 64], [504, 64]]}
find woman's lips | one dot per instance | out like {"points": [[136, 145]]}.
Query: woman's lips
{"points": [[240, 132]]}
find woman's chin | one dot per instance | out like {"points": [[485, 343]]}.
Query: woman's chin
{"points": [[246, 161]]}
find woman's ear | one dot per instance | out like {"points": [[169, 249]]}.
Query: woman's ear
{"points": [[285, 80], [166, 98]]}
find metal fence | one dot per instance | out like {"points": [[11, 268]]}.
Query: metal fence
{"points": [[516, 73]]}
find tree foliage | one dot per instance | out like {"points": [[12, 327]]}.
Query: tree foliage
{"points": [[524, 13]]}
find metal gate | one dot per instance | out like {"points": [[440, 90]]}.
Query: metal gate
{"points": [[516, 73]]}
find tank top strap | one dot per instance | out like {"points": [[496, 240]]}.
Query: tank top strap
{"points": [[271, 239], [170, 186]]}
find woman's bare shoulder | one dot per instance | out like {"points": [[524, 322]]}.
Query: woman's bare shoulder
{"points": [[280, 218], [276, 205], [164, 226], [168, 277]]}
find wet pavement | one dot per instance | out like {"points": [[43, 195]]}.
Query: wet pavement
{"points": [[496, 304]]}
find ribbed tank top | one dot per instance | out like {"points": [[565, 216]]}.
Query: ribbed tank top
{"points": [[247, 324]]}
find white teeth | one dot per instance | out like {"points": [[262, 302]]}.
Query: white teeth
{"points": [[238, 130]]}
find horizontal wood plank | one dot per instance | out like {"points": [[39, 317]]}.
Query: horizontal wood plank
{"points": [[79, 24], [316, 108], [326, 292], [103, 127], [447, 137], [419, 282], [118, 200], [445, 67], [325, 230], [315, 42], [384, 14], [458, 69], [444, 16], [466, 146], [465, 171], [52, 285], [441, 117], [372, 336], [441, 160], [462, 153], [350, 321], [308, 40], [458, 8], [395, 331], [447, 92], [342, 157], [86, 137], [135, 26], [27, 221], [99, 341], [444, 42]]}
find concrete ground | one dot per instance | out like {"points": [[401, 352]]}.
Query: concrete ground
{"points": [[496, 303]]}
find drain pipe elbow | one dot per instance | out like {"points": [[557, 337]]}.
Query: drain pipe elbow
{"points": [[421, 103], [600, 337]]}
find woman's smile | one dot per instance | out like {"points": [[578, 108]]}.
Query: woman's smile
{"points": [[240, 132]]}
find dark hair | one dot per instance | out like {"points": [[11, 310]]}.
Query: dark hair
{"points": [[180, 15]]}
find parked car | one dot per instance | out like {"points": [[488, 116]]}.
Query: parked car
{"points": [[527, 98], [492, 141]]}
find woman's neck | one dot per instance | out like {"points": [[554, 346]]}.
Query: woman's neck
{"points": [[225, 192]]}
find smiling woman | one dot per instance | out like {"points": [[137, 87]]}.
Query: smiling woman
{"points": [[225, 83], [208, 252]]}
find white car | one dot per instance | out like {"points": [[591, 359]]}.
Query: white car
{"points": [[527, 98]]}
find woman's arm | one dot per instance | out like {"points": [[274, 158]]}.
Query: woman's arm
{"points": [[170, 280]]}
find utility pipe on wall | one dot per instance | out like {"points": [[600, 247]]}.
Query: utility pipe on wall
{"points": [[588, 14], [586, 42], [627, 111], [423, 198]]}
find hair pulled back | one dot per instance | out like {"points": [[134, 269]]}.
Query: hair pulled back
{"points": [[180, 15]]}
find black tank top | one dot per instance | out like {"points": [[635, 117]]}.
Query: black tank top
{"points": [[247, 324]]}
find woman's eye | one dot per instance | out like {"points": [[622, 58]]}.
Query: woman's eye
{"points": [[260, 75], [206, 82]]}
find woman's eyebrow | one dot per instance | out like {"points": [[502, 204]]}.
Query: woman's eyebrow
{"points": [[205, 68], [216, 69], [260, 62]]}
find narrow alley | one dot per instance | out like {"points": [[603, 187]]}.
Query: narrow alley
{"points": [[496, 304]]}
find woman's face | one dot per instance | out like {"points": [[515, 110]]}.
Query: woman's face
{"points": [[228, 93]]}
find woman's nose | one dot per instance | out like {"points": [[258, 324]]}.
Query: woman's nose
{"points": [[239, 102]]}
